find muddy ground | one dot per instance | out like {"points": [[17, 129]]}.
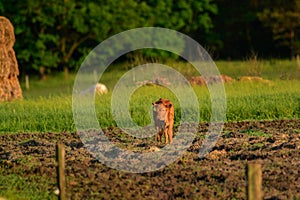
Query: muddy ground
{"points": [[220, 175]]}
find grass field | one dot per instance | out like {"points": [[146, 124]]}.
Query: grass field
{"points": [[47, 105]]}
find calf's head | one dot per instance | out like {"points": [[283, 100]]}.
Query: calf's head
{"points": [[161, 108]]}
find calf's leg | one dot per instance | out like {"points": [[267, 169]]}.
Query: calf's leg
{"points": [[166, 135], [170, 133], [159, 135]]}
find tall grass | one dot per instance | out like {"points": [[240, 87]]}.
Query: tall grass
{"points": [[269, 69], [47, 106], [259, 101], [245, 101], [39, 115], [272, 69]]}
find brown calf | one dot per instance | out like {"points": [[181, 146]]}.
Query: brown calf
{"points": [[163, 115]]}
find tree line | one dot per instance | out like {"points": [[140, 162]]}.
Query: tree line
{"points": [[53, 35]]}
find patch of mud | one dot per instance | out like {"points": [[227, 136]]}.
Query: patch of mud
{"points": [[220, 175]]}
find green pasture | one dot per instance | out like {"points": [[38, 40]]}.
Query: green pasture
{"points": [[47, 105], [15, 187]]}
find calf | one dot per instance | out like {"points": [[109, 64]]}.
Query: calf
{"points": [[163, 115]]}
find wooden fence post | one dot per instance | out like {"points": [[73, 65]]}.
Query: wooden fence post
{"points": [[254, 181], [95, 76], [27, 82], [61, 180]]}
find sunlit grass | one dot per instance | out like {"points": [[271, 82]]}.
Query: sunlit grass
{"points": [[42, 114], [15, 187], [272, 69], [47, 105], [245, 101]]}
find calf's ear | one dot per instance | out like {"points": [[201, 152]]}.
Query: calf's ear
{"points": [[169, 105]]}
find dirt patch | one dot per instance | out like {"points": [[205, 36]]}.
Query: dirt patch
{"points": [[220, 175]]}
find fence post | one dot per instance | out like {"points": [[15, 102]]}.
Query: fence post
{"points": [[27, 82], [61, 180], [254, 181], [95, 76]]}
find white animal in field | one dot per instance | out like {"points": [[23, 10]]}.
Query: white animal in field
{"points": [[98, 88]]}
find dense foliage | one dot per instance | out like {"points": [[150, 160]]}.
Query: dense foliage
{"points": [[54, 35]]}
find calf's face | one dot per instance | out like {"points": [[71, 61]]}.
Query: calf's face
{"points": [[160, 112]]}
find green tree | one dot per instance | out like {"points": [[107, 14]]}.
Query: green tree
{"points": [[283, 18], [235, 28], [58, 34]]}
